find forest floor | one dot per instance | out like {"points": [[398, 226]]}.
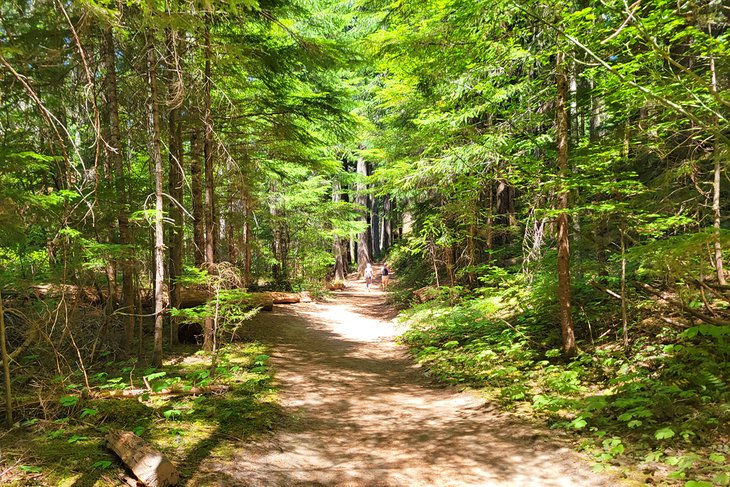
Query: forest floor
{"points": [[358, 412]]}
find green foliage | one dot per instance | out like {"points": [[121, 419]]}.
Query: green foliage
{"points": [[668, 390]]}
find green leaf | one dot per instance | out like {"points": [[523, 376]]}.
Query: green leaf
{"points": [[76, 438], [30, 469], [88, 412], [717, 458], [155, 375], [664, 433], [69, 401], [697, 483], [172, 413]]}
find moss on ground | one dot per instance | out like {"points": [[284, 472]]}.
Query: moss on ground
{"points": [[63, 443]]}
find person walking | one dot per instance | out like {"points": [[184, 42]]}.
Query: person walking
{"points": [[385, 275], [368, 276]]}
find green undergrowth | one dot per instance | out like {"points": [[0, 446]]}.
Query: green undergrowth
{"points": [[61, 442], [660, 407]]}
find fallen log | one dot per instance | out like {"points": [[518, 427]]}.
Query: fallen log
{"points": [[151, 467], [261, 300], [191, 297], [173, 391], [426, 293], [285, 298]]}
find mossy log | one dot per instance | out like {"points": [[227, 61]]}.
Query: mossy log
{"points": [[151, 467]]}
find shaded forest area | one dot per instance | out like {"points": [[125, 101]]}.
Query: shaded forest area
{"points": [[548, 180]]}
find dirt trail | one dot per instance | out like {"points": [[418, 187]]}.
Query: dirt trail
{"points": [[361, 414]]}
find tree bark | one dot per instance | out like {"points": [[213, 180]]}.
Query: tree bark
{"points": [[247, 237], [716, 187], [175, 185], [375, 227], [151, 467], [210, 213], [196, 190], [339, 271], [156, 153], [562, 132], [114, 154], [361, 198], [6, 368]]}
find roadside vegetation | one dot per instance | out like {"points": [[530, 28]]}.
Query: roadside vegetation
{"points": [[185, 409], [659, 407]]}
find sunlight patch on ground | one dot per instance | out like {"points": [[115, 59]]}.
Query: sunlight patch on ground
{"points": [[353, 326]]}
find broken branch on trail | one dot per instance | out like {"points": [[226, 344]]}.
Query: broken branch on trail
{"points": [[151, 467]]}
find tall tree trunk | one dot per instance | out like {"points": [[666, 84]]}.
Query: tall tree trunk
{"points": [[210, 213], [196, 190], [361, 198], [563, 136], [156, 152], [247, 236], [490, 221], [716, 186], [114, 154], [6, 368], [175, 185], [375, 227], [339, 274]]}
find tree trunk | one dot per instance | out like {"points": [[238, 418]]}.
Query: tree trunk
{"points": [[339, 271], [210, 213], [151, 467], [156, 153], [6, 368], [175, 185], [716, 186], [563, 135], [114, 154], [247, 236], [375, 228], [196, 190], [361, 198]]}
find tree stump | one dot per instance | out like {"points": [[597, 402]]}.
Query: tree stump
{"points": [[151, 467]]}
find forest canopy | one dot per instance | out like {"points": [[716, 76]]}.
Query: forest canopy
{"points": [[558, 166]]}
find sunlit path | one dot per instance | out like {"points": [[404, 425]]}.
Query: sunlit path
{"points": [[360, 414]]}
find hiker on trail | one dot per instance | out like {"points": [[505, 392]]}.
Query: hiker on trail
{"points": [[385, 275], [368, 276]]}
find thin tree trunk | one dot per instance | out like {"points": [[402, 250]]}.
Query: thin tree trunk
{"points": [[375, 227], [716, 186], [114, 154], [156, 152], [196, 190], [6, 368], [176, 229], [210, 213], [624, 312], [361, 198], [563, 136], [339, 271], [247, 237], [490, 221]]}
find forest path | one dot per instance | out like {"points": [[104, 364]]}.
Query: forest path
{"points": [[360, 413]]}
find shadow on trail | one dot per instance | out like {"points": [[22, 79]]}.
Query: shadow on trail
{"points": [[360, 413]]}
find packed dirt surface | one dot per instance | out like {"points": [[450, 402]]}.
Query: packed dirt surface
{"points": [[360, 413]]}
